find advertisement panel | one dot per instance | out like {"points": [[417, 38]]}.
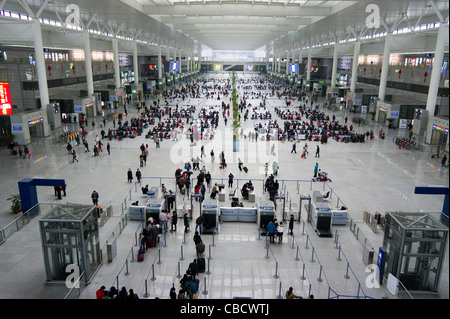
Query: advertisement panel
{"points": [[5, 99]]}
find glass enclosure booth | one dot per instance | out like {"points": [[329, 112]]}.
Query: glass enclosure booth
{"points": [[415, 245], [70, 237]]}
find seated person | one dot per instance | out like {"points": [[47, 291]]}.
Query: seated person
{"points": [[144, 189]]}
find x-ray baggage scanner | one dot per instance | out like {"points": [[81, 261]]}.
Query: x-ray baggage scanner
{"points": [[320, 218], [210, 213], [266, 213], [153, 207]]}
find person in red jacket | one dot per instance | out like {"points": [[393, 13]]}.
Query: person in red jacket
{"points": [[101, 292]]}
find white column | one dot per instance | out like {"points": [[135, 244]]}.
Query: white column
{"points": [[179, 63], [385, 67], [159, 64], [40, 64], [287, 62], [88, 63], [135, 63], [300, 59], [115, 44], [334, 67], [308, 66], [356, 51], [441, 41]]}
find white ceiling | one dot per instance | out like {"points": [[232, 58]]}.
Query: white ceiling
{"points": [[238, 24]]}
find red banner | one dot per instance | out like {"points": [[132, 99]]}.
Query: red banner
{"points": [[5, 99]]}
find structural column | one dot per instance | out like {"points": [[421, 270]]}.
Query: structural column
{"points": [[88, 63], [135, 63], [287, 62], [334, 67], [40, 64], [385, 67], [180, 68], [159, 64], [356, 51], [441, 41], [115, 44], [308, 66]]}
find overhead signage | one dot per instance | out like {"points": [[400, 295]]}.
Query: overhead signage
{"points": [[440, 128], [39, 120], [5, 99]]}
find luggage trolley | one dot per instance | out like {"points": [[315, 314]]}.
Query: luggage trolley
{"points": [[266, 213], [153, 207], [210, 213]]}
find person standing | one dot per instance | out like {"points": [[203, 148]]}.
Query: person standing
{"points": [[108, 148], [230, 180], [316, 169], [271, 228], [266, 168], [130, 176], [174, 221], [304, 153], [94, 197], [186, 223], [317, 151], [291, 225], [275, 168]]}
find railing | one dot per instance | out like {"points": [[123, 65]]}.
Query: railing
{"points": [[23, 220]]}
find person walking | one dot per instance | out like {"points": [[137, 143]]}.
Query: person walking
{"points": [[130, 176], [304, 153], [294, 148], [138, 175], [317, 151], [275, 168], [74, 156], [266, 168], [444, 160]]}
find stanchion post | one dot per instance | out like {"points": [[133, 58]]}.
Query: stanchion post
{"points": [[296, 255], [312, 255], [126, 264], [276, 270], [153, 273], [346, 276], [205, 292], [267, 253], [159, 256], [182, 255], [179, 271], [339, 254], [208, 272], [209, 253], [279, 293], [307, 239], [303, 273], [320, 274], [146, 295]]}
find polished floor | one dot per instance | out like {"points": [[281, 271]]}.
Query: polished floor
{"points": [[371, 176]]}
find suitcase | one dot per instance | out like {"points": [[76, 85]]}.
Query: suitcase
{"points": [[183, 190], [140, 257], [149, 242], [245, 169], [201, 265]]}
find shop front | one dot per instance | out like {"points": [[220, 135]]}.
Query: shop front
{"points": [[29, 126]]}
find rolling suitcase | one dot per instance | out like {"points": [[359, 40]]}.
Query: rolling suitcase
{"points": [[201, 265], [245, 169], [140, 255]]}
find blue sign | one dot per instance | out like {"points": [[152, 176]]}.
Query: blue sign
{"points": [[17, 127], [380, 264], [394, 114]]}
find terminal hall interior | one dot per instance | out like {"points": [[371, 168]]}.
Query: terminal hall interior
{"points": [[216, 149]]}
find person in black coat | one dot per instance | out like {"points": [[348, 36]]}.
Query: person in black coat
{"points": [[130, 175]]}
